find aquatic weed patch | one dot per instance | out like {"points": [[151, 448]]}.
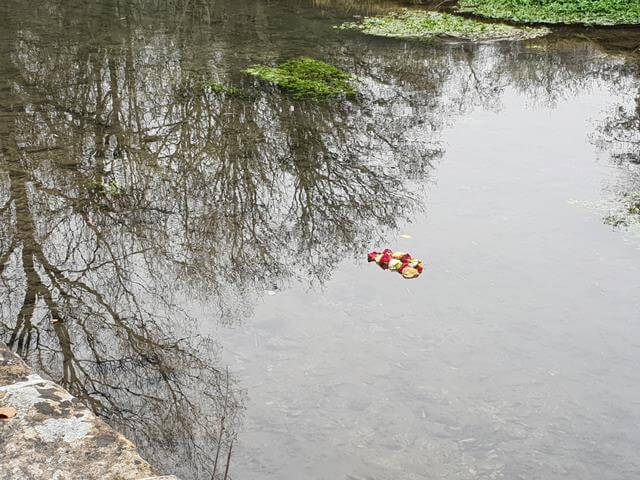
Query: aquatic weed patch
{"points": [[306, 77], [196, 83], [628, 213], [590, 12], [419, 24], [221, 88]]}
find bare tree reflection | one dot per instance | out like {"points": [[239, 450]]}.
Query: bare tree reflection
{"points": [[126, 191], [618, 137], [129, 192]]}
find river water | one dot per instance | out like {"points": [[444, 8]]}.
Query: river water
{"points": [[183, 260]]}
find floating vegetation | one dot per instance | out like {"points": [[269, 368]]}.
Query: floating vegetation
{"points": [[221, 88], [110, 188], [306, 77], [420, 24], [198, 83], [616, 221], [589, 12], [629, 214], [634, 206]]}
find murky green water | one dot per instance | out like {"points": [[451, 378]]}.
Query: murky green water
{"points": [[184, 260]]}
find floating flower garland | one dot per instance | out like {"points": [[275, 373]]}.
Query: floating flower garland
{"points": [[399, 262]]}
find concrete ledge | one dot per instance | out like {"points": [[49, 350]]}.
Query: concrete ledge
{"points": [[54, 436]]}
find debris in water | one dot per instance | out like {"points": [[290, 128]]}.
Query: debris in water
{"points": [[7, 412], [400, 262]]}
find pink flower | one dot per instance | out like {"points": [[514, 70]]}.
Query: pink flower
{"points": [[371, 257]]}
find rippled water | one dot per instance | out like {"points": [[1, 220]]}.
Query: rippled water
{"points": [[184, 260]]}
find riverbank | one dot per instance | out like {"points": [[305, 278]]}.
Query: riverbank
{"points": [[594, 12], [45, 432]]}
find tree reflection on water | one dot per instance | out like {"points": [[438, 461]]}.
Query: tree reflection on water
{"points": [[130, 194], [126, 191]]}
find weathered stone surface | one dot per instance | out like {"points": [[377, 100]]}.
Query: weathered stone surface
{"points": [[54, 436], [12, 368]]}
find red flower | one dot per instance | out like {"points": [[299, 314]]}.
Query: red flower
{"points": [[387, 251], [405, 258], [386, 258], [419, 268], [403, 266], [371, 257]]}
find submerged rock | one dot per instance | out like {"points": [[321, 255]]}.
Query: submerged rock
{"points": [[425, 25]]}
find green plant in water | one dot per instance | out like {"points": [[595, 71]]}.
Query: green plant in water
{"points": [[221, 88], [615, 221], [590, 12], [634, 204], [198, 82], [629, 214], [420, 24], [306, 77], [111, 188]]}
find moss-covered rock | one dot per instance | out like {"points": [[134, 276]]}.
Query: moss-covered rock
{"points": [[306, 77], [590, 12], [420, 24]]}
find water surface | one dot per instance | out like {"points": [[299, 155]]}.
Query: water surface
{"points": [[190, 264]]}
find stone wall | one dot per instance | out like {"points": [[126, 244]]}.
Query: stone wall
{"points": [[53, 436]]}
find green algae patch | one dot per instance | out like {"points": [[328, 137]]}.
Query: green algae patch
{"points": [[221, 88], [420, 24], [588, 12], [306, 77]]}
